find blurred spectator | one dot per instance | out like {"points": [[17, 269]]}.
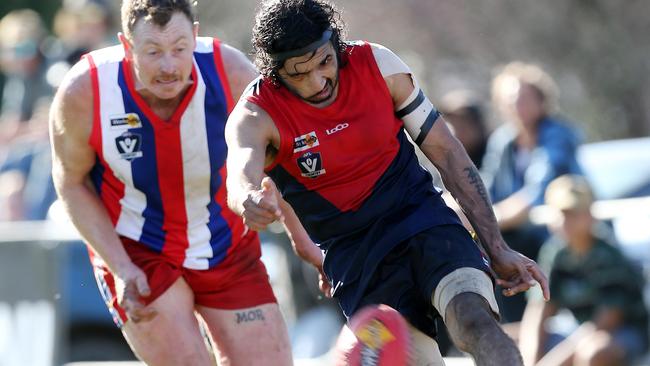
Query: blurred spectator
{"points": [[29, 157], [24, 66], [463, 111], [80, 28], [523, 155], [12, 184], [594, 281]]}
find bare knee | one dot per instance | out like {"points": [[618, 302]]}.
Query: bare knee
{"points": [[599, 350], [468, 317], [173, 336], [245, 336], [155, 345]]}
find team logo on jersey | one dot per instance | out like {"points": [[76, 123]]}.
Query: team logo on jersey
{"points": [[305, 142], [129, 145], [311, 165], [129, 120]]}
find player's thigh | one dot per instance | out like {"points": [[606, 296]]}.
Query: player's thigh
{"points": [[173, 336], [249, 336], [425, 349]]}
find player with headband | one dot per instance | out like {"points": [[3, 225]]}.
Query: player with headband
{"points": [[328, 122]]}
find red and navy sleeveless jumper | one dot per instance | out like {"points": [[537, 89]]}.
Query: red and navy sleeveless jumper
{"points": [[348, 169]]}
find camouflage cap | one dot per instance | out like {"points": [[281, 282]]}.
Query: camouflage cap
{"points": [[569, 192]]}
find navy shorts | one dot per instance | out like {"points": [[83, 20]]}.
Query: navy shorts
{"points": [[407, 276]]}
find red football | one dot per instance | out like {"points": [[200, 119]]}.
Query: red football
{"points": [[378, 336]]}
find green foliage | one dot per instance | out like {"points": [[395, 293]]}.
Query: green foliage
{"points": [[46, 8]]}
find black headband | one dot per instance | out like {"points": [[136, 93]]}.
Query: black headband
{"points": [[327, 35]]}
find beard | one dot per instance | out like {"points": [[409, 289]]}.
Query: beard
{"points": [[330, 86]]}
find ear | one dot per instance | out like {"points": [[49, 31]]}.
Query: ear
{"points": [[125, 43]]}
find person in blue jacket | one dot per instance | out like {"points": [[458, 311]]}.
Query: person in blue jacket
{"points": [[523, 156]]}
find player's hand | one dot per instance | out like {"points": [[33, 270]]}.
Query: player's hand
{"points": [[517, 273], [261, 207], [310, 253], [323, 283], [132, 286]]}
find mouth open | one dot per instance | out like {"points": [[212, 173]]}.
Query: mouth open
{"points": [[323, 95]]}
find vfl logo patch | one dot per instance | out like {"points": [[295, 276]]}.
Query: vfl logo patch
{"points": [[305, 142], [129, 145], [311, 165], [132, 120]]}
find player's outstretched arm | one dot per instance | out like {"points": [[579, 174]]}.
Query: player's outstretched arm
{"points": [[71, 120], [72, 159], [516, 272], [301, 243], [429, 131], [251, 135], [249, 132]]}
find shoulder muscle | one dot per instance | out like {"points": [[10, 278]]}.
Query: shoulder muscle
{"points": [[399, 79], [71, 121], [388, 62], [239, 69]]}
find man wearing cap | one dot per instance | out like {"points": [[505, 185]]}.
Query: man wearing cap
{"points": [[328, 123], [594, 281]]}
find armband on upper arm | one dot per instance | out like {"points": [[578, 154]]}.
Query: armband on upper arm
{"points": [[418, 115], [417, 112]]}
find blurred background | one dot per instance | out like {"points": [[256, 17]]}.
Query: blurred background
{"points": [[596, 51]]}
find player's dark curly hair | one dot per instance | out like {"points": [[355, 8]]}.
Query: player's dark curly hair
{"points": [[285, 25], [159, 12]]}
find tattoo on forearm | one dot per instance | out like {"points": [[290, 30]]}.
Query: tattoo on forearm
{"points": [[475, 180], [250, 316]]}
